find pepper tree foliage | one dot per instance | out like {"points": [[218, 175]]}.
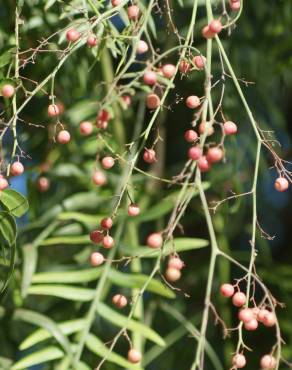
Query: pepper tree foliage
{"points": [[56, 309]]}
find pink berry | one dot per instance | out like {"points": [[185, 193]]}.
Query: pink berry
{"points": [[168, 70], [53, 110], [149, 156], [99, 178], [133, 12], [229, 128], [193, 102], [227, 290], [281, 184], [199, 61], [96, 259], [134, 356], [215, 26], [108, 242], [246, 315], [133, 210], [268, 362], [63, 137], [152, 101], [127, 100], [154, 240], [251, 325], [184, 66], [16, 168], [269, 319], [107, 162], [43, 184], [7, 90], [91, 41], [150, 78], [142, 47], [3, 183], [194, 153], [116, 2], [203, 164], [190, 136], [85, 128], [239, 299], [120, 301], [61, 107], [235, 5], [261, 314], [239, 361], [202, 128], [106, 223], [207, 33], [96, 236], [172, 274], [103, 116], [214, 155], [72, 35], [175, 263]]}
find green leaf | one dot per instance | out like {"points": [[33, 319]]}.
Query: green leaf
{"points": [[6, 55], [122, 321], [80, 217], [62, 291], [97, 347], [14, 202], [78, 276], [49, 3], [45, 355], [66, 328], [70, 240], [7, 227], [30, 256]]}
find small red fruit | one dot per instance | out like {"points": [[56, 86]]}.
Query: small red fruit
{"points": [[91, 41], [193, 102], [107, 162], [16, 168], [190, 136], [133, 210], [120, 301], [215, 26], [227, 290], [239, 299], [96, 259], [127, 100], [269, 319], [246, 315], [3, 183], [194, 153], [149, 156], [63, 137], [251, 325], [172, 274], [142, 47], [203, 164], [207, 33], [134, 356], [96, 236], [53, 110], [7, 91], [229, 128], [133, 12], [154, 240], [202, 128], [43, 184], [106, 223], [85, 128], [214, 155], [152, 101], [150, 78], [239, 361], [103, 116], [72, 35], [281, 184], [261, 314], [116, 2], [175, 263], [235, 5], [108, 242], [268, 362], [99, 178], [168, 70], [199, 61], [184, 66]]}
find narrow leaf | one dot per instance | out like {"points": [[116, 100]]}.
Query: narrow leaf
{"points": [[63, 291], [45, 355], [14, 202]]}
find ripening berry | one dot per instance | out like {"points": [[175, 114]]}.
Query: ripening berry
{"points": [[99, 178], [235, 5], [107, 162], [43, 184], [194, 153], [281, 184], [190, 136], [168, 70], [96, 259], [184, 66], [214, 155], [251, 325], [239, 299], [261, 314], [133, 12], [72, 35], [152, 101], [133, 210], [96, 236], [193, 102], [142, 47], [63, 137], [3, 183], [108, 242], [203, 164], [215, 26], [116, 2], [53, 110], [202, 128], [150, 78], [91, 41], [134, 356], [229, 128], [172, 274], [175, 263], [61, 107], [16, 168], [246, 315], [149, 156], [127, 100], [239, 361], [268, 362], [199, 61], [106, 223], [103, 115], [269, 319], [207, 33], [255, 311], [7, 90], [227, 290], [120, 301], [154, 240], [85, 128]]}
